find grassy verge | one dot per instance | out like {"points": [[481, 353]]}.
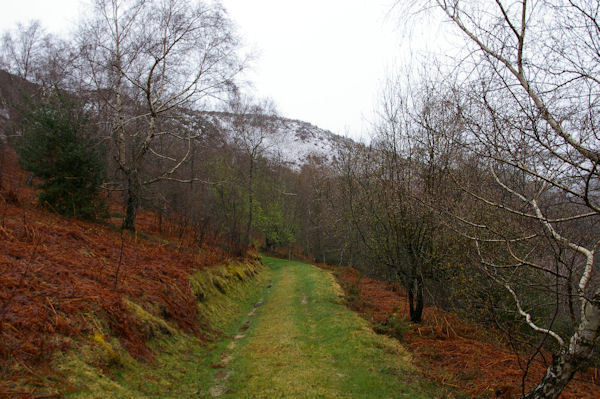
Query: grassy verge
{"points": [[182, 367], [305, 343]]}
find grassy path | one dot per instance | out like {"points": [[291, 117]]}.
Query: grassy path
{"points": [[290, 338], [302, 342]]}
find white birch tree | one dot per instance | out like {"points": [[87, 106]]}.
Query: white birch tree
{"points": [[147, 60], [531, 93]]}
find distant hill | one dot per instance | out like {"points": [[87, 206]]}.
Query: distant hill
{"points": [[291, 142]]}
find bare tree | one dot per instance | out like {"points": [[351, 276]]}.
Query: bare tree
{"points": [[39, 57], [387, 187], [147, 61], [252, 129], [21, 48], [530, 114]]}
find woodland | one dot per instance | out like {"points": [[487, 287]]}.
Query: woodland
{"points": [[478, 193]]}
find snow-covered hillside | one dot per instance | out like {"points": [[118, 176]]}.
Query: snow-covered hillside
{"points": [[288, 141]]}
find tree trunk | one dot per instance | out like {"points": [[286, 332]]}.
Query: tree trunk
{"points": [[133, 202], [557, 376], [248, 238], [574, 356], [416, 307], [420, 302]]}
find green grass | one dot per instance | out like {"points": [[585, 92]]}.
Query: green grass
{"points": [[305, 343]]}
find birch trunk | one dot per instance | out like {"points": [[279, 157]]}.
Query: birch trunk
{"points": [[574, 356]]}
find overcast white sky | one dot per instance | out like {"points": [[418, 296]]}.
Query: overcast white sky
{"points": [[321, 61]]}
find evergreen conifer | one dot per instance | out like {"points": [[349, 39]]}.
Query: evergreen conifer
{"points": [[59, 146]]}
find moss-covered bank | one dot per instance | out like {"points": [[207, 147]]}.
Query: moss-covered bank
{"points": [[182, 364]]}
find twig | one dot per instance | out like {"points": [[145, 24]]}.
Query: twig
{"points": [[53, 310], [47, 395], [27, 368]]}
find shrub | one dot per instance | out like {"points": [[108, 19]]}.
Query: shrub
{"points": [[59, 146]]}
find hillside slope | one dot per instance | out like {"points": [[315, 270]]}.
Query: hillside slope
{"points": [[62, 280], [291, 142]]}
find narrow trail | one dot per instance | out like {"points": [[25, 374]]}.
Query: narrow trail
{"points": [[300, 341]]}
